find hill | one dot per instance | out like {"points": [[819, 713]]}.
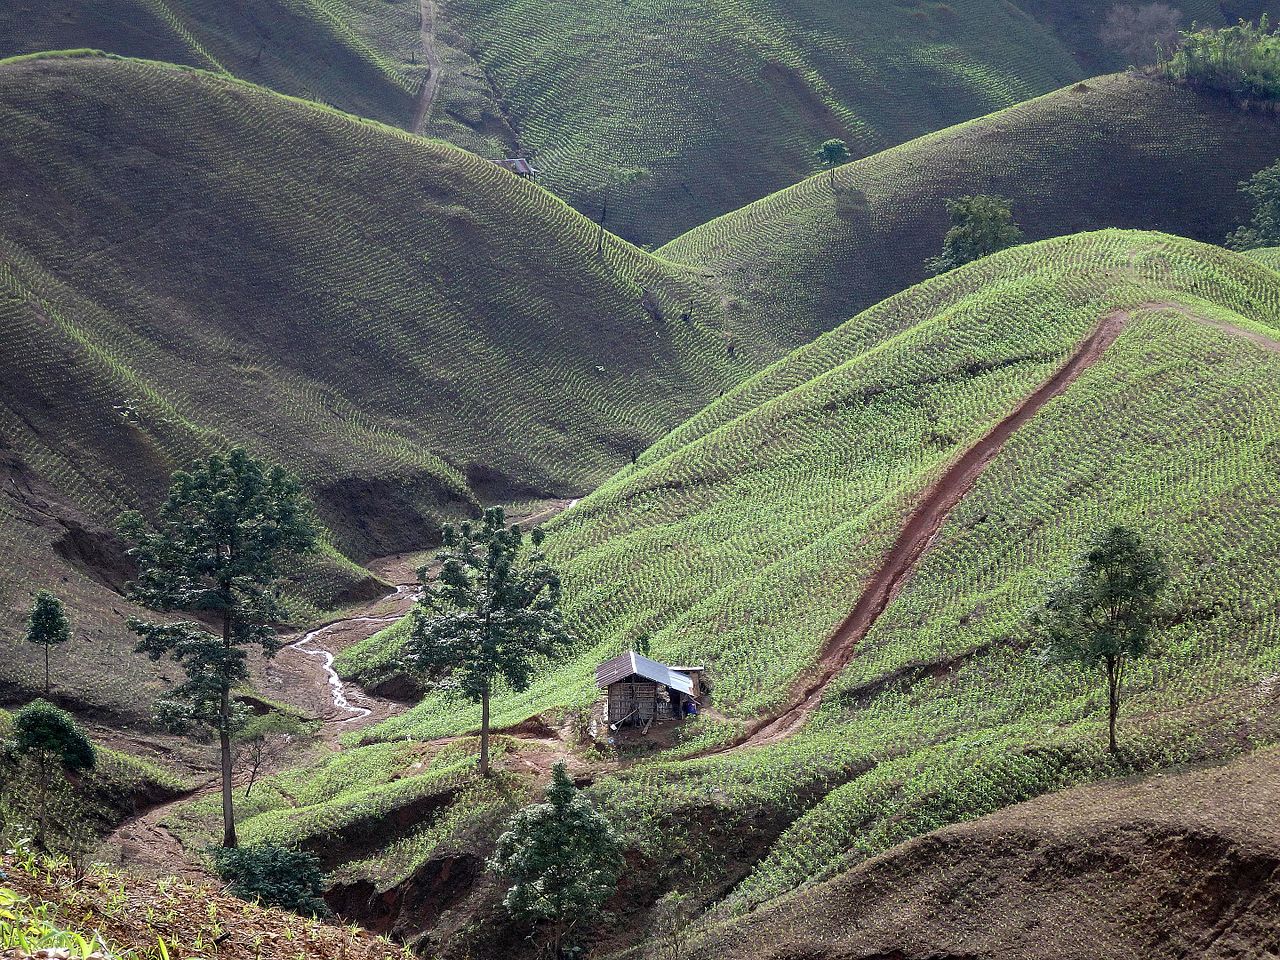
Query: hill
{"points": [[1160, 867], [1120, 151], [355, 54], [44, 906], [853, 542], [189, 262], [600, 93]]}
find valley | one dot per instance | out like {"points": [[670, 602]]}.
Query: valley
{"points": [[826, 510]]}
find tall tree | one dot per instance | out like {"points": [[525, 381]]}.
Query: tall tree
{"points": [[1101, 616], [216, 549], [563, 859], [47, 626], [980, 226], [489, 614], [832, 153], [1263, 228], [51, 736]]}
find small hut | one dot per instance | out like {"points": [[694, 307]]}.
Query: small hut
{"points": [[639, 690], [520, 166]]}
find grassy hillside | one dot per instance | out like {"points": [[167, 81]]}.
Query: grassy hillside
{"points": [[744, 539], [44, 906], [362, 55], [1115, 151], [669, 112], [187, 261], [1117, 870]]}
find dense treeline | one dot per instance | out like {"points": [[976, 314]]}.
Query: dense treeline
{"points": [[1243, 60]]}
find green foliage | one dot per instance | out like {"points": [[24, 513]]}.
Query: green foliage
{"points": [[563, 860], [490, 616], [1101, 617], [47, 625], [832, 153], [216, 548], [1242, 60], [274, 876], [51, 738], [1263, 229], [42, 728], [1081, 158], [980, 226]]}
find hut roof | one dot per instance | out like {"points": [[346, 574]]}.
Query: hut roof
{"points": [[632, 663]]}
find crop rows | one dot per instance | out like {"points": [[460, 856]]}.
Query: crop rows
{"points": [[603, 92], [743, 539]]}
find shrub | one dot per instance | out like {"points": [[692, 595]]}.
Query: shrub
{"points": [[274, 876]]}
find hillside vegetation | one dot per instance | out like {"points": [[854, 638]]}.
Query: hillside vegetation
{"points": [[744, 538], [1120, 151], [1105, 872], [362, 55], [599, 92], [409, 328]]}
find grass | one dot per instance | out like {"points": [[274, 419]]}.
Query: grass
{"points": [[742, 540], [361, 55], [1111, 152], [600, 92], [409, 328], [44, 905]]}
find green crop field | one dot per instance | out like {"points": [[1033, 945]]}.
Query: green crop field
{"points": [[600, 93], [361, 55], [1113, 151], [743, 539], [408, 327]]}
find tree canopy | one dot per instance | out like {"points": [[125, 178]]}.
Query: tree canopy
{"points": [[216, 548], [47, 625], [1101, 615], [980, 226], [1263, 228], [490, 613], [563, 859], [48, 734]]}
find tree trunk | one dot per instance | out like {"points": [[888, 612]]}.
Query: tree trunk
{"points": [[484, 732], [1113, 704], [42, 808], [46, 671], [224, 737]]}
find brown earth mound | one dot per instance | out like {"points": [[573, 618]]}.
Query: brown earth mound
{"points": [[1176, 866]]}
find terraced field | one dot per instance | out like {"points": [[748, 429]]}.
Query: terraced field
{"points": [[1117, 151], [407, 326], [744, 538], [599, 92], [362, 55]]}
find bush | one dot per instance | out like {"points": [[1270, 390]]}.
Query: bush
{"points": [[1263, 228], [274, 876]]}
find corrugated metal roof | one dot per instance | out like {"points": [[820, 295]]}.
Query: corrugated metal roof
{"points": [[619, 668]]}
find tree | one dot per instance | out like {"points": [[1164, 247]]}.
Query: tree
{"points": [[563, 859], [490, 613], [980, 226], [216, 549], [1101, 616], [833, 153], [47, 626], [263, 740], [50, 735], [1263, 229], [672, 926], [1142, 32], [275, 876]]}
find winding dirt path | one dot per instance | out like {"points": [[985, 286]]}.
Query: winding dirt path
{"points": [[931, 510], [431, 82], [303, 672]]}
